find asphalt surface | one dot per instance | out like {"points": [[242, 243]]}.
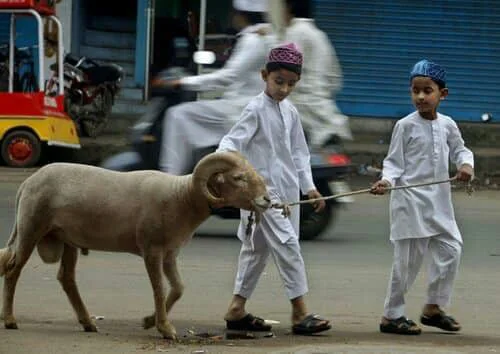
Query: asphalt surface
{"points": [[348, 269]]}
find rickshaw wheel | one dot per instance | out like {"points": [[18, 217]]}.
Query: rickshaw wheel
{"points": [[21, 148]]}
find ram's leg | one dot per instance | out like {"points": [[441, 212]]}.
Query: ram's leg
{"points": [[66, 277], [153, 261], [177, 287], [21, 255]]}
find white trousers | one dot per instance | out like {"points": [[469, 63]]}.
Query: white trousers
{"points": [[189, 126], [444, 253], [255, 252]]}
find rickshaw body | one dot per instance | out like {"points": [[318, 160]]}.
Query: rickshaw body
{"points": [[32, 120]]}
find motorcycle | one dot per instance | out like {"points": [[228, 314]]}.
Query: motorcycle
{"points": [[330, 166], [90, 91]]}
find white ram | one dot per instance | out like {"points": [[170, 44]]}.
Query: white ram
{"points": [[63, 207]]}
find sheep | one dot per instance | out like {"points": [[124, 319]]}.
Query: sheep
{"points": [[64, 207]]}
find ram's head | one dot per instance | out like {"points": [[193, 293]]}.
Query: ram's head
{"points": [[227, 179]]}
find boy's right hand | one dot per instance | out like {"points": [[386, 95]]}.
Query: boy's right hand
{"points": [[380, 187]]}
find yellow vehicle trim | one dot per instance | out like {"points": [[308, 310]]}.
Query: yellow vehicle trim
{"points": [[52, 130]]}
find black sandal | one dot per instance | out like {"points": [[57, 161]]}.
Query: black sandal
{"points": [[441, 320], [249, 323], [311, 324], [401, 325]]}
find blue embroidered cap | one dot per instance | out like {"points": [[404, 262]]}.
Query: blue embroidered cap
{"points": [[429, 69]]}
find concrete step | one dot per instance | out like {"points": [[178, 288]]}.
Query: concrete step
{"points": [[125, 106], [108, 54], [119, 124], [129, 82], [128, 67], [128, 93], [112, 24], [109, 39]]}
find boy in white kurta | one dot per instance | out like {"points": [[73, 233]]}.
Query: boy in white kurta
{"points": [[422, 218], [270, 135]]}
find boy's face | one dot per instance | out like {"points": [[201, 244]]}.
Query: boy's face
{"points": [[426, 96], [279, 83]]}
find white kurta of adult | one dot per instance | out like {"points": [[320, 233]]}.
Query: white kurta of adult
{"points": [[420, 151], [321, 80], [203, 123], [270, 135]]}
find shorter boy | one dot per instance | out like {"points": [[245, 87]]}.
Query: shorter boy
{"points": [[269, 134], [422, 218]]}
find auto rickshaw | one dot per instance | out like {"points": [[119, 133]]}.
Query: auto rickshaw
{"points": [[31, 120]]}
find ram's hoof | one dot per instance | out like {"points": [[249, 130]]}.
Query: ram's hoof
{"points": [[148, 322], [89, 327], [168, 331], [11, 325]]}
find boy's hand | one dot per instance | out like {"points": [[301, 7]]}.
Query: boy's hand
{"points": [[465, 173], [379, 187], [319, 204]]}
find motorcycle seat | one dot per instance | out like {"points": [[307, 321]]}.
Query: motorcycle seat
{"points": [[101, 74]]}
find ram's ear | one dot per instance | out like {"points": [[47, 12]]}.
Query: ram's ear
{"points": [[240, 176], [219, 178]]}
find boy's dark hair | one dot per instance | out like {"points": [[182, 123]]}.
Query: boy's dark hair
{"points": [[275, 66], [252, 17], [440, 84], [300, 8]]}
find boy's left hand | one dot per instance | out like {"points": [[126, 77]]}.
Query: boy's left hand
{"points": [[319, 204], [465, 173]]}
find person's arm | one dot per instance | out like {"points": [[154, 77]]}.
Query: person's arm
{"points": [[249, 49], [302, 161], [301, 156], [238, 138], [394, 163], [461, 156]]}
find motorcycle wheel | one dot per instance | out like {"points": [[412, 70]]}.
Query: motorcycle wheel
{"points": [[94, 126], [313, 224]]}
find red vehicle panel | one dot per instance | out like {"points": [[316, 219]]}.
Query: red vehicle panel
{"points": [[44, 7]]}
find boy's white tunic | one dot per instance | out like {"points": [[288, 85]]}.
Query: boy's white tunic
{"points": [[270, 135], [419, 153]]}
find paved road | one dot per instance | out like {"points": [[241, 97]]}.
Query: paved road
{"points": [[348, 270]]}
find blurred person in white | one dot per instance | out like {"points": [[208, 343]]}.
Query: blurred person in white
{"points": [[321, 78], [203, 123]]}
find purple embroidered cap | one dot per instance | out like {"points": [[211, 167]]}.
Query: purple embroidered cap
{"points": [[287, 53]]}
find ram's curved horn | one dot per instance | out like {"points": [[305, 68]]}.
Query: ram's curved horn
{"points": [[210, 165]]}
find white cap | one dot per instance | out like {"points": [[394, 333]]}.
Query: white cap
{"points": [[250, 5]]}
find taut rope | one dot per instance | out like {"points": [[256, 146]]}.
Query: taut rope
{"points": [[287, 211], [286, 206]]}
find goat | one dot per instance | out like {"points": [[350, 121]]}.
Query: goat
{"points": [[64, 207]]}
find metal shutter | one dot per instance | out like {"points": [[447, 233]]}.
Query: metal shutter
{"points": [[379, 41], [4, 28]]}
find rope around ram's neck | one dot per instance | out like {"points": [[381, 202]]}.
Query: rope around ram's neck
{"points": [[287, 210]]}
